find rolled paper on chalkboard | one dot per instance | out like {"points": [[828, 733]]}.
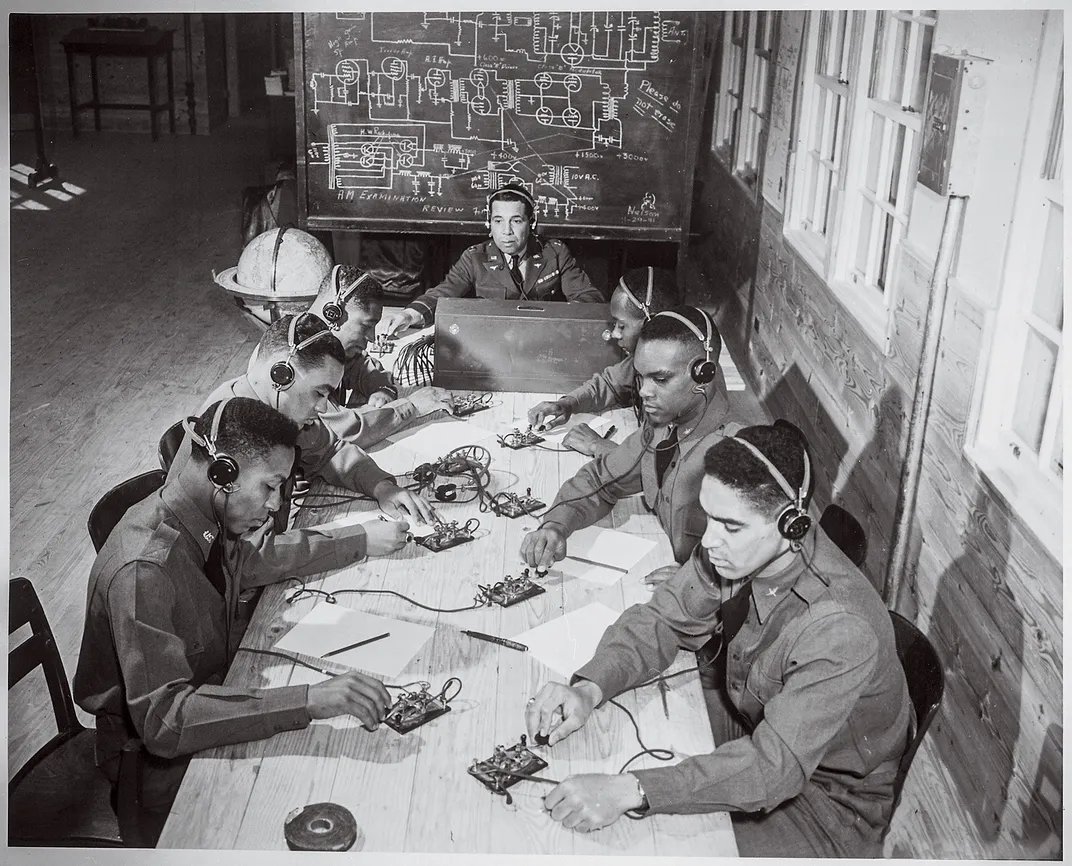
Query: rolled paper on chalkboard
{"points": [[320, 827]]}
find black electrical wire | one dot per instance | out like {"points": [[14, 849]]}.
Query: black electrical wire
{"points": [[309, 592], [414, 363], [288, 657]]}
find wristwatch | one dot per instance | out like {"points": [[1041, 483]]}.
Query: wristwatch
{"points": [[644, 806]]}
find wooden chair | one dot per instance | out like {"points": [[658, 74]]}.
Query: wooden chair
{"points": [[846, 532], [169, 444], [59, 798], [926, 685], [111, 507]]}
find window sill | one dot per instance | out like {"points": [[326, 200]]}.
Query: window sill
{"points": [[873, 319], [1037, 501]]}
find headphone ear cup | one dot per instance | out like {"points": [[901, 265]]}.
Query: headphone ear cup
{"points": [[703, 371], [223, 470], [333, 313], [282, 374], [446, 492], [793, 523]]}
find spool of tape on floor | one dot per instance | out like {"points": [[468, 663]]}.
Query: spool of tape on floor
{"points": [[320, 827]]}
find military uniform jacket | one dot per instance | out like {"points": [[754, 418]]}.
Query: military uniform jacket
{"points": [[630, 468], [482, 271], [615, 386]]}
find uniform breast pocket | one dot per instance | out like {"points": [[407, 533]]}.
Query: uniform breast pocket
{"points": [[764, 680]]}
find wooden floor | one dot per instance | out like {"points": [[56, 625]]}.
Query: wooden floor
{"points": [[118, 330]]}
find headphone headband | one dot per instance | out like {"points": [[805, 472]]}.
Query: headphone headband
{"points": [[670, 314], [295, 349], [645, 307], [517, 190], [222, 468], [342, 296], [282, 372]]}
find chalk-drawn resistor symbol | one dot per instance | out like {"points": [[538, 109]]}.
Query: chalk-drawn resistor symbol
{"points": [[347, 70]]}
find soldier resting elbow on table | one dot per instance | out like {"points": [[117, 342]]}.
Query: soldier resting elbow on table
{"points": [[350, 301], [160, 629], [298, 365], [515, 263], [639, 295], [814, 712]]}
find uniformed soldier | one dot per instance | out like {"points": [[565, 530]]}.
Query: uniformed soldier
{"points": [[515, 263], [640, 294]]}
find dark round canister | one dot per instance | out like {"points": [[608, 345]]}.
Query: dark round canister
{"points": [[320, 827]]}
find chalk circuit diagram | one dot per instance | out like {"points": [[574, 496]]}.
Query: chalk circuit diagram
{"points": [[481, 99]]}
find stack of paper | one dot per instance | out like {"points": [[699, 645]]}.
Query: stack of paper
{"points": [[603, 555], [330, 627], [404, 451], [567, 643]]}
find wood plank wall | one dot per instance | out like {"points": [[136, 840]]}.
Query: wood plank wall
{"points": [[979, 584]]}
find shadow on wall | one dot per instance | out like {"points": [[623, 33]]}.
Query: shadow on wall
{"points": [[793, 399], [1041, 832], [978, 726]]}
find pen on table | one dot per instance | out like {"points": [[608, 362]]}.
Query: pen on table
{"points": [[356, 645], [499, 640], [611, 430], [662, 694]]}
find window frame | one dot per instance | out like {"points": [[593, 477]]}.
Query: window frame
{"points": [[741, 115], [848, 77], [1007, 461]]}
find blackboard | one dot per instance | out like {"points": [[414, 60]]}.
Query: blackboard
{"points": [[406, 120]]}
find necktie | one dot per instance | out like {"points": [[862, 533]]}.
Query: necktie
{"points": [[214, 566], [735, 612], [515, 272], [664, 455]]}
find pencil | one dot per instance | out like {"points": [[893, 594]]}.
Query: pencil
{"points": [[356, 645]]}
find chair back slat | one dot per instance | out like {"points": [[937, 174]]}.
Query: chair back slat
{"points": [[38, 650], [111, 507]]}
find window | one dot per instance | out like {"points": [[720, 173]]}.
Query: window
{"points": [[1019, 438], [742, 101], [857, 148]]}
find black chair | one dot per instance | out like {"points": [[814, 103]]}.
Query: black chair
{"points": [[845, 531], [111, 507], [59, 797], [169, 444], [926, 684]]}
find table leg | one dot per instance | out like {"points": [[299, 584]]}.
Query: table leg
{"points": [[170, 94], [152, 95], [74, 100], [96, 91]]}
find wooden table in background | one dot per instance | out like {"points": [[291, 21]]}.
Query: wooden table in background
{"points": [[411, 793]]}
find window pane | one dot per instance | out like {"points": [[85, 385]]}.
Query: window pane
{"points": [[894, 173], [874, 148], [1049, 293], [899, 60], [1057, 461], [882, 266], [877, 83], [926, 37], [863, 238], [1036, 379], [822, 53]]}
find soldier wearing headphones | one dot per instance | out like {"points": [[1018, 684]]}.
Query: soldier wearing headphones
{"points": [[161, 627], [297, 367], [814, 712], [515, 263], [641, 293], [676, 365], [351, 302]]}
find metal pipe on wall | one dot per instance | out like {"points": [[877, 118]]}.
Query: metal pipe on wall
{"points": [[921, 404]]}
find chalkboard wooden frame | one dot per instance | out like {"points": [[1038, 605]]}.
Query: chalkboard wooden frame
{"points": [[691, 119]]}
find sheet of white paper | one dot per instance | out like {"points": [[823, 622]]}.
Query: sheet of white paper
{"points": [[349, 520], [599, 423], [608, 547], [330, 626], [436, 439], [396, 459], [588, 571], [566, 643]]}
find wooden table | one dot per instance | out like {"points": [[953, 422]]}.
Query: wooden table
{"points": [[411, 793], [151, 43]]}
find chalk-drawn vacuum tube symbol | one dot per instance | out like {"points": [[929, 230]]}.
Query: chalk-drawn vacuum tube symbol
{"points": [[394, 68], [348, 71], [572, 53]]}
